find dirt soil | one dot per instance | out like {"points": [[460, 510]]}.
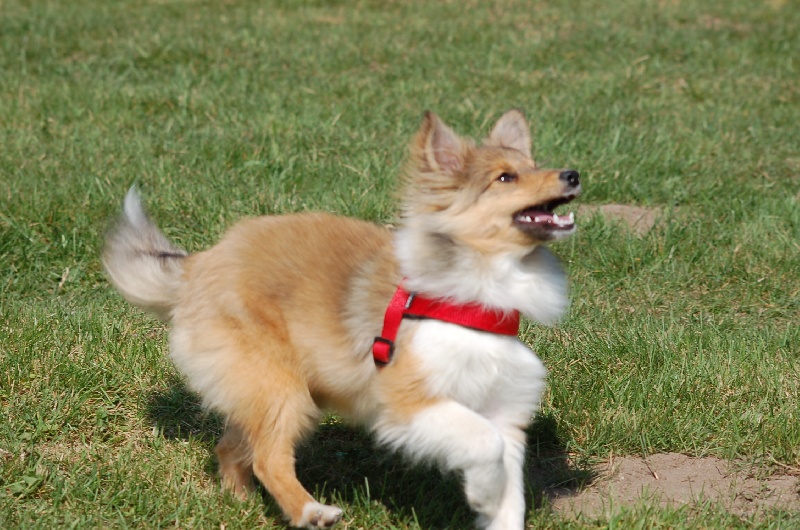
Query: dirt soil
{"points": [[676, 480], [639, 219]]}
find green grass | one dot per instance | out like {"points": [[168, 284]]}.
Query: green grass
{"points": [[684, 340]]}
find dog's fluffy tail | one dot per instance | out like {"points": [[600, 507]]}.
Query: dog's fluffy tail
{"points": [[141, 262]]}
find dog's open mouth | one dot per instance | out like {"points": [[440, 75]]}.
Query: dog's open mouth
{"points": [[542, 221]]}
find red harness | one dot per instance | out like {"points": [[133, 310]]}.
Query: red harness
{"points": [[405, 304]]}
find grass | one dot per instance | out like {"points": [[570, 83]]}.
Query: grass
{"points": [[683, 340]]}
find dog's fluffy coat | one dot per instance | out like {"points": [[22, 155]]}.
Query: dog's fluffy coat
{"points": [[275, 323]]}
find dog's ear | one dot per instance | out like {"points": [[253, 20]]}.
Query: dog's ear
{"points": [[512, 130], [438, 146], [435, 170]]}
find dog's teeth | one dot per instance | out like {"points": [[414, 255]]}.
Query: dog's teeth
{"points": [[571, 217], [539, 219], [555, 218]]}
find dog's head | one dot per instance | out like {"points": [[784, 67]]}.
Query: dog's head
{"points": [[490, 196]]}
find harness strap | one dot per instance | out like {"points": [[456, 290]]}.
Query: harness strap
{"points": [[473, 315], [383, 347]]}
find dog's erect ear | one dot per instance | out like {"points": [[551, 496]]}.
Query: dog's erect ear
{"points": [[512, 130], [439, 146]]}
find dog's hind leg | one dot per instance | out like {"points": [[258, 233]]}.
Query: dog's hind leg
{"points": [[235, 461], [289, 418]]}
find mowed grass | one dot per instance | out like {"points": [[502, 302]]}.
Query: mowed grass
{"points": [[686, 339]]}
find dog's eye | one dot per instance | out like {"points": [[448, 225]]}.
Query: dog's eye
{"points": [[507, 177]]}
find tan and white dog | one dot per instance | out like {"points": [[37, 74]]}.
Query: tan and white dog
{"points": [[276, 322]]}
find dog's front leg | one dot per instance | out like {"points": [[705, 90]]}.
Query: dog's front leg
{"points": [[511, 513], [460, 440]]}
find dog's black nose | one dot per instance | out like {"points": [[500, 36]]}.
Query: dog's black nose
{"points": [[571, 177]]}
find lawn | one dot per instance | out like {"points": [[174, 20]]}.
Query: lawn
{"points": [[685, 339]]}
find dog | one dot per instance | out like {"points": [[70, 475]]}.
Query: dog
{"points": [[411, 332]]}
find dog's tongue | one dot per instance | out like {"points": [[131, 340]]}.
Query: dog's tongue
{"points": [[545, 219]]}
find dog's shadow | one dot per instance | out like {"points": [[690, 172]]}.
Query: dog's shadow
{"points": [[344, 465]]}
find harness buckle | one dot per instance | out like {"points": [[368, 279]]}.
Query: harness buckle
{"points": [[382, 351]]}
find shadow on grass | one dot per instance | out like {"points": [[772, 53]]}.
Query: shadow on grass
{"points": [[343, 464], [178, 414], [552, 472]]}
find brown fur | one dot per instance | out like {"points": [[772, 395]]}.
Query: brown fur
{"points": [[282, 286]]}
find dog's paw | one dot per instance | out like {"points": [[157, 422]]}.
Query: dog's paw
{"points": [[503, 521], [316, 515]]}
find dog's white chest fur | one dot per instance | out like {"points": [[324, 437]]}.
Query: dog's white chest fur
{"points": [[490, 374]]}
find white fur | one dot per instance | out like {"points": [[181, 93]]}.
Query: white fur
{"points": [[511, 512], [533, 283], [133, 210], [131, 259], [494, 375], [316, 515]]}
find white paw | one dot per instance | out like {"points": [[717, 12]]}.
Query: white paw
{"points": [[316, 515], [503, 521]]}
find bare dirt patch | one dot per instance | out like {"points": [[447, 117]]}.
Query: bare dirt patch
{"points": [[675, 480], [638, 219]]}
